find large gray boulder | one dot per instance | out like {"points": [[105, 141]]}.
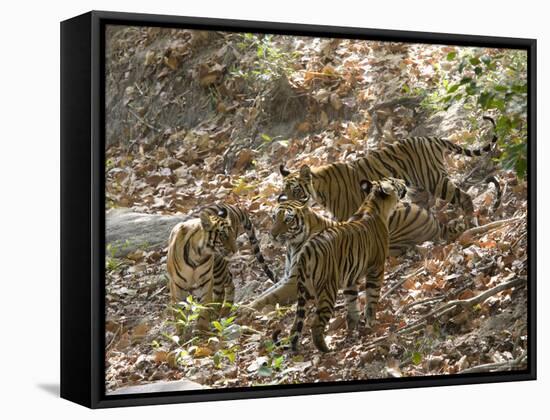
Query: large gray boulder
{"points": [[127, 231], [161, 386]]}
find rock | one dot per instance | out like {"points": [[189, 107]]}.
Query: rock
{"points": [[162, 386], [128, 231], [443, 123]]}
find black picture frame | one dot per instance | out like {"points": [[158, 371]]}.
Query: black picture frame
{"points": [[83, 204]]}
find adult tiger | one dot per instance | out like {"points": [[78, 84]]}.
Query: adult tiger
{"points": [[295, 222], [339, 256], [417, 160], [197, 252]]}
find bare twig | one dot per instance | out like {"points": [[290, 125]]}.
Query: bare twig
{"points": [[447, 308], [462, 303], [400, 282], [419, 302], [489, 226], [495, 367], [115, 335], [141, 120]]}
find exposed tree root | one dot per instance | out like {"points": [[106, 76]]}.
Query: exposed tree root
{"points": [[447, 308]]}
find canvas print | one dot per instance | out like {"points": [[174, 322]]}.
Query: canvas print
{"points": [[286, 209]]}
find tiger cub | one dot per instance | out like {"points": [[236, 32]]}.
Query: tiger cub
{"points": [[420, 161], [197, 256], [339, 256], [294, 222]]}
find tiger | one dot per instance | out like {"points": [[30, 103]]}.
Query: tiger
{"points": [[197, 256], [417, 160], [339, 256], [294, 222]]}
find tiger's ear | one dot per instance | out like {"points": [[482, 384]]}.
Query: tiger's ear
{"points": [[403, 191], [222, 212], [284, 172], [282, 198], [305, 173], [366, 186], [206, 222]]}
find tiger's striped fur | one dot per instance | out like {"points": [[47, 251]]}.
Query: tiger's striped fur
{"points": [[339, 256], [197, 255], [294, 222], [417, 160]]}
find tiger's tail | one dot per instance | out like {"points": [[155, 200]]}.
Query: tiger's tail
{"points": [[474, 152], [297, 273], [251, 233], [492, 179], [295, 277]]}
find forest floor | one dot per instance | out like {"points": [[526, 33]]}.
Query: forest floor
{"points": [[195, 118]]}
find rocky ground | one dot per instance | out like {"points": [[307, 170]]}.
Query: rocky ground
{"points": [[195, 118]]}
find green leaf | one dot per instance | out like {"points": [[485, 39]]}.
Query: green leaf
{"points": [[416, 358], [521, 167], [265, 371], [474, 61], [519, 88], [498, 104], [451, 56], [478, 71], [266, 138], [278, 362], [453, 88], [471, 89], [217, 326], [269, 346], [231, 356], [217, 359], [484, 99]]}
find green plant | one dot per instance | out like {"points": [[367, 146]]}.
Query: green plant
{"points": [[489, 82], [224, 327], [111, 262], [275, 361], [229, 355], [186, 313], [271, 62]]}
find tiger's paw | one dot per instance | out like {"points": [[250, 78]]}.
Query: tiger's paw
{"points": [[319, 340], [369, 322], [352, 323]]}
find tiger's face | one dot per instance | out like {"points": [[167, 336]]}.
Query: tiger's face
{"points": [[288, 221], [384, 194], [297, 185], [219, 235]]}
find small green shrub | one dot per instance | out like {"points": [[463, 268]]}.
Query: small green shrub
{"points": [[490, 83]]}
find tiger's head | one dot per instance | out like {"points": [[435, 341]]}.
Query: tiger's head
{"points": [[219, 234], [297, 185], [381, 196], [288, 221]]}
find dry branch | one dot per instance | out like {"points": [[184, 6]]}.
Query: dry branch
{"points": [[495, 367], [447, 308], [462, 303], [400, 282], [141, 120], [489, 226]]}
